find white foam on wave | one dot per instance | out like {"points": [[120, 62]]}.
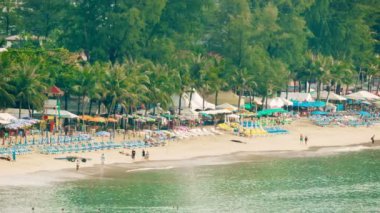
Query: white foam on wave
{"points": [[150, 168], [344, 149]]}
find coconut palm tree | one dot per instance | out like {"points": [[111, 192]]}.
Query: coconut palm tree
{"points": [[85, 83], [6, 96], [30, 83], [242, 80], [160, 84]]}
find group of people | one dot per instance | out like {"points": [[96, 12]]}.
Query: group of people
{"points": [[303, 139], [144, 154]]}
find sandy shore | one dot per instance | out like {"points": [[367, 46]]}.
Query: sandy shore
{"points": [[218, 145]]}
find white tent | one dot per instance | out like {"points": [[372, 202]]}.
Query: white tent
{"points": [[333, 96], [196, 102], [226, 106], [278, 102], [6, 118], [363, 96], [216, 112], [297, 96]]}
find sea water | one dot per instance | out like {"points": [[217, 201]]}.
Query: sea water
{"points": [[345, 182]]}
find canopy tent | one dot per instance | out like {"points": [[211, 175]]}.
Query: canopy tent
{"points": [[226, 106], [363, 96], [226, 97], [196, 102], [271, 111], [364, 114], [332, 96], [233, 116], [216, 112], [55, 91], [21, 123], [278, 102], [309, 104], [61, 113], [297, 96], [6, 118], [319, 113]]}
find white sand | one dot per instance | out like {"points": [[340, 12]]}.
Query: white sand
{"points": [[199, 146]]}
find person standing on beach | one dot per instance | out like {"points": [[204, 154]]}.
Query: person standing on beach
{"points": [[301, 138], [373, 139], [102, 158], [143, 153], [133, 154], [306, 140], [77, 164], [147, 155]]}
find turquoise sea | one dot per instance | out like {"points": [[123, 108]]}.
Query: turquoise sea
{"points": [[347, 182]]}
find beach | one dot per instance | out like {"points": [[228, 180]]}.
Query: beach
{"points": [[195, 147]]}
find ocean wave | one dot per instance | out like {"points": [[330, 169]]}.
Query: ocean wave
{"points": [[344, 149], [150, 168]]}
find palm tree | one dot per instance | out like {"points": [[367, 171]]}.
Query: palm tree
{"points": [[30, 83], [6, 87], [85, 83], [160, 84], [242, 80]]}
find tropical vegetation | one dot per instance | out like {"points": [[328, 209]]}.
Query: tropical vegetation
{"points": [[131, 53]]}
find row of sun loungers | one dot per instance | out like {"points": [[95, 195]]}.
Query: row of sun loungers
{"points": [[84, 147], [19, 150]]}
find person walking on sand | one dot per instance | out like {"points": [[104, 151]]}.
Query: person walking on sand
{"points": [[301, 138], [77, 164], [306, 140], [143, 153], [373, 139]]}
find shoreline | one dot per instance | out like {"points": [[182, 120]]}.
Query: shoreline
{"points": [[40, 169]]}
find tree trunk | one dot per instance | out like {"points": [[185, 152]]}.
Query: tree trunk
{"points": [[179, 103], [338, 89], [29, 111], [250, 101], [78, 107], [240, 94], [99, 105], [83, 96], [19, 109], [191, 96], [90, 107], [203, 102], [378, 87], [361, 77], [369, 84], [287, 90], [328, 95], [306, 82], [294, 85], [300, 86], [346, 89], [318, 89], [216, 98], [66, 100]]}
